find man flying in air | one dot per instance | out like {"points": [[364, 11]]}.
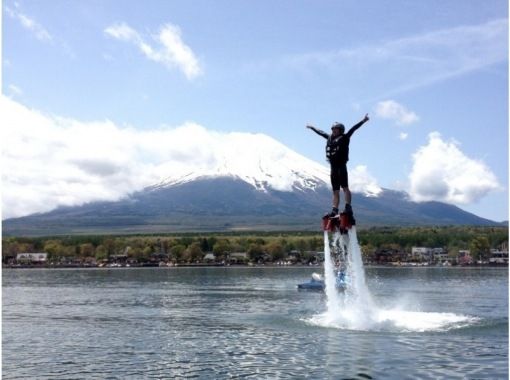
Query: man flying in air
{"points": [[337, 153]]}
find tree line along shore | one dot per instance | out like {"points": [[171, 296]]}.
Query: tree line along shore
{"points": [[378, 245]]}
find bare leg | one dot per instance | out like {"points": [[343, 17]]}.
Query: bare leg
{"points": [[347, 194], [336, 198]]}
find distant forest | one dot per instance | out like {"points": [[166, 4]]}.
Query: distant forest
{"points": [[270, 246]]}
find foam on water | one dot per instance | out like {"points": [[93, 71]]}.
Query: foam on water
{"points": [[354, 309]]}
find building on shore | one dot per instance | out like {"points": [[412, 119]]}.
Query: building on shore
{"points": [[498, 256], [421, 254], [32, 258]]}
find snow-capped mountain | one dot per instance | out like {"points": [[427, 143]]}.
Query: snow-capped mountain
{"points": [[256, 159]]}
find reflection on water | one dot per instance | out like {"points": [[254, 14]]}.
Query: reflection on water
{"points": [[248, 322]]}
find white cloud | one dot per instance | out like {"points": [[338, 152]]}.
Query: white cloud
{"points": [[123, 32], [403, 135], [390, 109], [171, 50], [360, 180], [15, 90], [442, 172], [28, 23], [50, 161], [417, 60]]}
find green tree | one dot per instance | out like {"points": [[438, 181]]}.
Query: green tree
{"points": [[315, 244], [136, 253], [86, 250], [301, 245], [12, 248], [242, 244], [109, 245], [101, 252], [255, 252], [195, 252], [275, 250], [54, 249], [480, 247], [177, 251], [221, 249], [146, 253]]}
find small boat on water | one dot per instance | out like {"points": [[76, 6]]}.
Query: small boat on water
{"points": [[317, 282]]}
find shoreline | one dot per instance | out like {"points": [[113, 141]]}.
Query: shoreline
{"points": [[271, 266]]}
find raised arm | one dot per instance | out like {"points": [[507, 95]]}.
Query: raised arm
{"points": [[355, 127], [318, 131]]}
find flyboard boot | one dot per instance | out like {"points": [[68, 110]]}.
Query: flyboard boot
{"points": [[331, 221], [346, 219], [339, 222]]}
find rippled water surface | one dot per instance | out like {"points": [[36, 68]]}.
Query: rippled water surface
{"points": [[214, 323]]}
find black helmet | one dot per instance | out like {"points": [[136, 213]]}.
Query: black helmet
{"points": [[339, 126]]}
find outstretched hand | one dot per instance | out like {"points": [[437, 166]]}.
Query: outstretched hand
{"points": [[309, 126], [366, 118]]}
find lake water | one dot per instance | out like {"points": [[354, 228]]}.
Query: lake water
{"points": [[215, 323]]}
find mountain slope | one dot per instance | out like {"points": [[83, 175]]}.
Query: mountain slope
{"points": [[229, 203]]}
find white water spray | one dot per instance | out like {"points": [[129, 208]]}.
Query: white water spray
{"points": [[355, 304], [333, 304], [354, 308]]}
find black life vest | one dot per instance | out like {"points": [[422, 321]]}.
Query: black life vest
{"points": [[337, 149]]}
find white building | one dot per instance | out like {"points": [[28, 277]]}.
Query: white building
{"points": [[422, 253], [39, 257], [440, 255], [498, 257], [209, 257], [238, 257]]}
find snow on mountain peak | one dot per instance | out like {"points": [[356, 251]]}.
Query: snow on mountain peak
{"points": [[256, 159]]}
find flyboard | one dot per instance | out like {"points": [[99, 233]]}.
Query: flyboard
{"points": [[338, 227]]}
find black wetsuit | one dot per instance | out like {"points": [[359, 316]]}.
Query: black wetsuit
{"points": [[337, 153]]}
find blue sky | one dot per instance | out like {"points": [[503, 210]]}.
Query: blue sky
{"points": [[432, 75]]}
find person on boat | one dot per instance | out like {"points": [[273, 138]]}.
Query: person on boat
{"points": [[337, 153]]}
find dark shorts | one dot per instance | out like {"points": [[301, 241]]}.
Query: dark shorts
{"points": [[339, 177]]}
